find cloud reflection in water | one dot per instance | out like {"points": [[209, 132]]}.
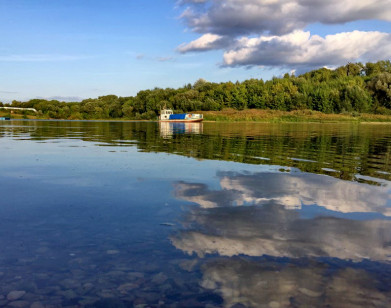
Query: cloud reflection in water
{"points": [[268, 255], [274, 228], [291, 190], [272, 284]]}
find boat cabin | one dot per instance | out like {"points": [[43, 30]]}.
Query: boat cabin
{"points": [[165, 114]]}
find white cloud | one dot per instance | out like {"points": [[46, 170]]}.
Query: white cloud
{"points": [[299, 48], [206, 42], [230, 25], [233, 17]]}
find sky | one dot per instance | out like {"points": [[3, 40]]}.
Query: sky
{"points": [[76, 49]]}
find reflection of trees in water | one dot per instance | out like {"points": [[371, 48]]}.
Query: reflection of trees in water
{"points": [[316, 148], [313, 284]]}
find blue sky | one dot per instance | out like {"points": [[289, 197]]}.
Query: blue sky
{"points": [[88, 48]]}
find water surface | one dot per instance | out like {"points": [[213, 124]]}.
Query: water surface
{"points": [[123, 214]]}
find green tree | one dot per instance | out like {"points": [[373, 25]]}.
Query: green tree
{"points": [[380, 85]]}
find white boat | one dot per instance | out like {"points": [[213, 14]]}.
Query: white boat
{"points": [[167, 115]]}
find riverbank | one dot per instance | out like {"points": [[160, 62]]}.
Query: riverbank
{"points": [[262, 115], [256, 115]]}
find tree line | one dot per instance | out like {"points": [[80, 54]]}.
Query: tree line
{"points": [[355, 87]]}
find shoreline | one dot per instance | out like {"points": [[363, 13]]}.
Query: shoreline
{"points": [[272, 116], [252, 115]]}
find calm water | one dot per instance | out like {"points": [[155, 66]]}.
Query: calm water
{"points": [[104, 214]]}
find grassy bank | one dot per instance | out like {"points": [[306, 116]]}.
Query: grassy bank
{"points": [[16, 115], [262, 115], [259, 115]]}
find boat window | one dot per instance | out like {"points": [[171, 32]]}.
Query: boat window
{"points": [[168, 111]]}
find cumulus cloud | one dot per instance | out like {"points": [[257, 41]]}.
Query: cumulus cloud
{"points": [[299, 49], [242, 17], [206, 42], [230, 25]]}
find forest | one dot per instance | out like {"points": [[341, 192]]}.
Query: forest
{"points": [[353, 88]]}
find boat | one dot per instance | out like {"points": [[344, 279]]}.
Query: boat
{"points": [[167, 115], [5, 118]]}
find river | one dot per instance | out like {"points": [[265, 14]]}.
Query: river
{"points": [[142, 214]]}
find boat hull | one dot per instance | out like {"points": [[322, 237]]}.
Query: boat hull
{"points": [[183, 120]]}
